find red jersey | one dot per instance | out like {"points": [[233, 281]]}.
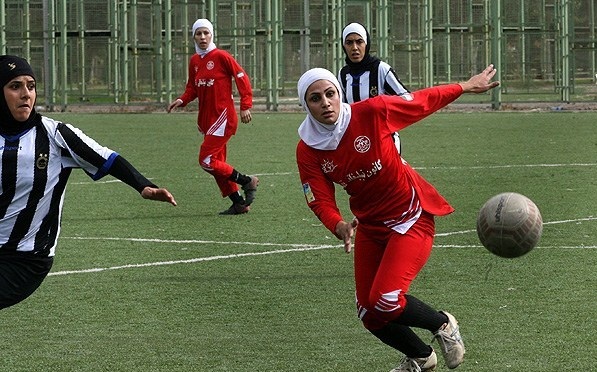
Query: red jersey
{"points": [[383, 188], [210, 81]]}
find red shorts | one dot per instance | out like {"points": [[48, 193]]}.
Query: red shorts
{"points": [[212, 158], [385, 264]]}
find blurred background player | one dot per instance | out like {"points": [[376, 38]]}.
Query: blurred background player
{"points": [[365, 76], [211, 71]]}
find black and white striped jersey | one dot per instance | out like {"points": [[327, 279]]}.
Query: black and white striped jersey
{"points": [[34, 168], [380, 79]]}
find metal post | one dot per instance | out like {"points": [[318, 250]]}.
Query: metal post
{"points": [[428, 43], [495, 22], [133, 63], [81, 45], [305, 38], [124, 47], [383, 49], [3, 25], [48, 31], [27, 41], [277, 52], [158, 49], [167, 54], [114, 59], [565, 49], [63, 54]]}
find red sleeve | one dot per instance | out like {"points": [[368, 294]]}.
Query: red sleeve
{"points": [[320, 192], [243, 84], [190, 93], [402, 111]]}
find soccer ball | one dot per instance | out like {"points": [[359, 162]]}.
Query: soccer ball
{"points": [[509, 225]]}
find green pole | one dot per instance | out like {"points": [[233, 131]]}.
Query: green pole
{"points": [[63, 54], [81, 44], [114, 60], [49, 68], [278, 50], [495, 23], [269, 54], [565, 49], [383, 30], [3, 25], [168, 54], [124, 46], [428, 43], [27, 41]]}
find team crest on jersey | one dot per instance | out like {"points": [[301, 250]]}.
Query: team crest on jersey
{"points": [[328, 166], [362, 144], [42, 161], [373, 91], [210, 65]]}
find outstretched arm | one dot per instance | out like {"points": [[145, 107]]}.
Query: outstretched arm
{"points": [[481, 82], [127, 173]]}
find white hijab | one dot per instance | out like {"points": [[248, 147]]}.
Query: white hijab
{"points": [[354, 28], [314, 133], [207, 24]]}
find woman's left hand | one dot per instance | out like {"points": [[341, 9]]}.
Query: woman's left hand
{"points": [[245, 116]]}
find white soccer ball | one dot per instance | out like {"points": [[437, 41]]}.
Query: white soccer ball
{"points": [[509, 225]]}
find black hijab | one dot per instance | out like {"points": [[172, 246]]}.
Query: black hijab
{"points": [[11, 67], [367, 61]]}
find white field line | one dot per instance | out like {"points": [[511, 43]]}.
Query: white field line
{"points": [[293, 248], [426, 168], [304, 247]]}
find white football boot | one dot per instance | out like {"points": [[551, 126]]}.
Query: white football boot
{"points": [[450, 342], [417, 364]]}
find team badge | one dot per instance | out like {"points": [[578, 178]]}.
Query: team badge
{"points": [[308, 193], [362, 144], [42, 161], [328, 166], [210, 65], [373, 91]]}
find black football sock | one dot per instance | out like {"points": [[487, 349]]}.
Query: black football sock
{"points": [[239, 178], [403, 339], [418, 314], [236, 198]]}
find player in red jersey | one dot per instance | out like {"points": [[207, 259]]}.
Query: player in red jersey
{"points": [[394, 207], [211, 71]]}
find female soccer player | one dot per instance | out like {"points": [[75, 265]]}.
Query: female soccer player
{"points": [[365, 76], [394, 207], [38, 154], [211, 71]]}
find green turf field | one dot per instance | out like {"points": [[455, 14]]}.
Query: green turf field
{"points": [[144, 286]]}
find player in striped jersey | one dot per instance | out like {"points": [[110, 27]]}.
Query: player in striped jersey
{"points": [[365, 76], [38, 154]]}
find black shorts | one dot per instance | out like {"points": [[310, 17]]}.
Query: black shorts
{"points": [[20, 275]]}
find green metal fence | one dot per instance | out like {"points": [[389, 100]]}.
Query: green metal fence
{"points": [[135, 51]]}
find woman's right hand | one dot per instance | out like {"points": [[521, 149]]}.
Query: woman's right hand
{"points": [[177, 102], [345, 231]]}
